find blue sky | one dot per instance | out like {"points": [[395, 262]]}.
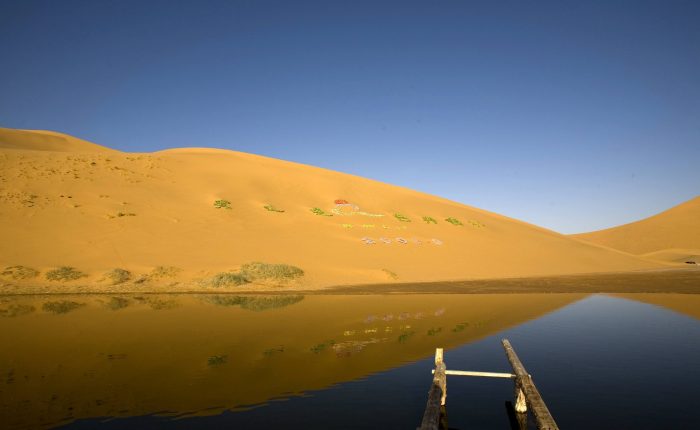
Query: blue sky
{"points": [[571, 115]]}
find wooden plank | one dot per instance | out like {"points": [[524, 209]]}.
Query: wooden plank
{"points": [[532, 397], [482, 374], [436, 396]]}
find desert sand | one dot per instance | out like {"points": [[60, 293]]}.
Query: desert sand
{"points": [[172, 220], [672, 236]]}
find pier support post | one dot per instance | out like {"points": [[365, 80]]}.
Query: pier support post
{"points": [[436, 396]]}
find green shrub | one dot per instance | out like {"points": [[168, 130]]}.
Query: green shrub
{"points": [[271, 208], [19, 272], [320, 212], [429, 220], [227, 279], [454, 221], [257, 271], [64, 273], [61, 307], [222, 204], [118, 276], [164, 272], [402, 218]]}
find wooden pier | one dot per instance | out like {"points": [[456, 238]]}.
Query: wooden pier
{"points": [[526, 396]]}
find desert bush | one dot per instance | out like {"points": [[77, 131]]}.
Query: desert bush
{"points": [[434, 330], [402, 218], [164, 272], [19, 272], [454, 221], [271, 208], [61, 307], [403, 338], [227, 279], [320, 212], [270, 272], [390, 274], [222, 204], [118, 276], [429, 220], [64, 273]]}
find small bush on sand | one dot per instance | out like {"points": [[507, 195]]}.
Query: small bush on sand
{"points": [[271, 208], [118, 276], [64, 273], [222, 204], [429, 220], [320, 212], [227, 279], [61, 307], [257, 271], [316, 349], [19, 272], [390, 274], [402, 218], [454, 221], [164, 272]]}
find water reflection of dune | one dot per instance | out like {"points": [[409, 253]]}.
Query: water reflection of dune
{"points": [[687, 304], [137, 355]]}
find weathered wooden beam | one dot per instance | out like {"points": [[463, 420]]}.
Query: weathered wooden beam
{"points": [[436, 396], [526, 394], [482, 374]]}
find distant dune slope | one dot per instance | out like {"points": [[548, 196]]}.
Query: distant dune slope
{"points": [[40, 140], [77, 204], [671, 235]]}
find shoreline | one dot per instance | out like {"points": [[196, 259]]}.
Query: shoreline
{"points": [[678, 281]]}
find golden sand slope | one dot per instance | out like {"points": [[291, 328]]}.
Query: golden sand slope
{"points": [[672, 236], [67, 202]]}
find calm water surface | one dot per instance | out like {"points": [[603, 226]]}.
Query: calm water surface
{"points": [[348, 362]]}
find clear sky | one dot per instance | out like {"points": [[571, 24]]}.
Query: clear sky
{"points": [[573, 115]]}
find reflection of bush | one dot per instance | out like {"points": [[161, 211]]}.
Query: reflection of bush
{"points": [[61, 307], [15, 310], [19, 272], [255, 303], [116, 303], [217, 360], [270, 272]]}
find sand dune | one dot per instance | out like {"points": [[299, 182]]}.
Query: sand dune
{"points": [[672, 236], [68, 202]]}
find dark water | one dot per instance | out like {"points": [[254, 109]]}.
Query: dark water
{"points": [[600, 362]]}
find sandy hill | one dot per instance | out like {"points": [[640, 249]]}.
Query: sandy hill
{"points": [[670, 236], [180, 217]]}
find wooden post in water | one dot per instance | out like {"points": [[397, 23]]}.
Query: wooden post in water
{"points": [[526, 394], [436, 396]]}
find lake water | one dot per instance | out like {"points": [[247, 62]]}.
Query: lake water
{"points": [[347, 362]]}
